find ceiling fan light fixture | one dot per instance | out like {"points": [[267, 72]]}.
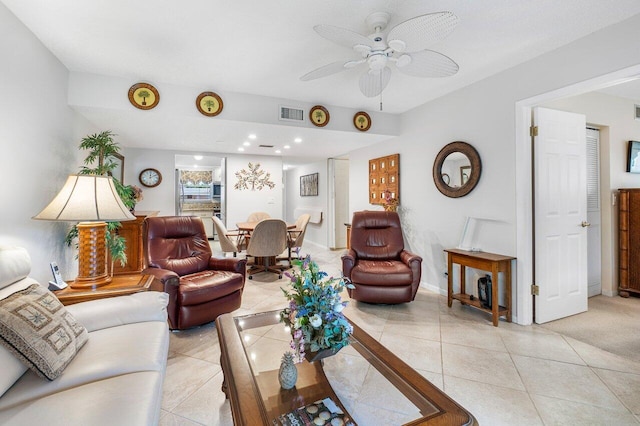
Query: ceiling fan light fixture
{"points": [[377, 62], [397, 45], [403, 61]]}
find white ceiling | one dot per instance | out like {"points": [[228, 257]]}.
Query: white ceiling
{"points": [[263, 47]]}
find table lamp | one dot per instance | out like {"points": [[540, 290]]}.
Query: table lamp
{"points": [[91, 200]]}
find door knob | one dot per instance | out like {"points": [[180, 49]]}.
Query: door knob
{"points": [[584, 224]]}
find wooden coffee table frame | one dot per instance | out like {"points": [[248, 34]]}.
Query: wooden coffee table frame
{"points": [[250, 407]]}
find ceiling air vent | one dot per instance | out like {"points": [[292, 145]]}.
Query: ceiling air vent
{"points": [[291, 114], [637, 109], [265, 146]]}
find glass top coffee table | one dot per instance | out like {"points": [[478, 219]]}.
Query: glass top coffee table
{"points": [[368, 383]]}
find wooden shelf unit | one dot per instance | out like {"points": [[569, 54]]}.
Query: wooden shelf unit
{"points": [[629, 241], [490, 262]]}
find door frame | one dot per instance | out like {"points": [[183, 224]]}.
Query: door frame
{"points": [[524, 181]]}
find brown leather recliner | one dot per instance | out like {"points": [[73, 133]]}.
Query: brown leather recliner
{"points": [[200, 287], [377, 264]]}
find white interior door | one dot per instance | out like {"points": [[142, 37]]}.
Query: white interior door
{"points": [[560, 214]]}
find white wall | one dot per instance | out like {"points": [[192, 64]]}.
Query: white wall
{"points": [[39, 136], [241, 203], [616, 116], [482, 114], [316, 232]]}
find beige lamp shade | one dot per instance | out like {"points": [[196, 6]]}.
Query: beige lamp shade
{"points": [[87, 198], [92, 201]]}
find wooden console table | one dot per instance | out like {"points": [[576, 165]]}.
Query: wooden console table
{"points": [[490, 262]]}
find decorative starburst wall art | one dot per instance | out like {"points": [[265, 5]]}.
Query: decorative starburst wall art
{"points": [[253, 179]]}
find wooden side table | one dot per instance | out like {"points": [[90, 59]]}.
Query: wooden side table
{"points": [[490, 262], [121, 285]]}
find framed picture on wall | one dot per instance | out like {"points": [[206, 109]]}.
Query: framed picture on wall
{"points": [[309, 185], [118, 170], [633, 158]]}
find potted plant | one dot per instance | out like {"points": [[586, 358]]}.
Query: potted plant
{"points": [[101, 161]]}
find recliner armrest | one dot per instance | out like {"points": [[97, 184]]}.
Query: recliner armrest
{"points": [[407, 258], [348, 262], [228, 264]]}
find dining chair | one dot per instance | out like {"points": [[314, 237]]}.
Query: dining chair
{"points": [[268, 240], [230, 241], [296, 236], [258, 216]]}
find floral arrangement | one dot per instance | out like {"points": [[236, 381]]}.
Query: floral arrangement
{"points": [[136, 193], [390, 203], [315, 310]]}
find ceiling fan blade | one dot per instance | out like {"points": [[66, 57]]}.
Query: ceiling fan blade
{"points": [[372, 83], [428, 63], [422, 31], [326, 70], [342, 36]]}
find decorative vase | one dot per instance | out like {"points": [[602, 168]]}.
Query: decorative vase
{"points": [[288, 373], [319, 355]]}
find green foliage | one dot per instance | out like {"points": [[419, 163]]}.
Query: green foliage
{"points": [[101, 161]]}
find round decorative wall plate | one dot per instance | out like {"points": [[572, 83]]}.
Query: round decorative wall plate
{"points": [[209, 104], [319, 116], [362, 121], [150, 178], [143, 96]]}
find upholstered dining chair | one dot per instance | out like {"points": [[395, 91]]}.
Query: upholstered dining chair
{"points": [[268, 240], [377, 264], [200, 287], [258, 216], [296, 236], [230, 241]]}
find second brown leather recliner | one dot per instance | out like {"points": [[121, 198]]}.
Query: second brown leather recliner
{"points": [[377, 264], [200, 287]]}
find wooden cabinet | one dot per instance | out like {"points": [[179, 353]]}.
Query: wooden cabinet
{"points": [[131, 230], [629, 241]]}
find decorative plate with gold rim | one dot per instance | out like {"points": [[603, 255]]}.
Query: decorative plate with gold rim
{"points": [[319, 116], [362, 121], [143, 96], [209, 104]]}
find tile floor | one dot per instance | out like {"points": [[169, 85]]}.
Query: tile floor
{"points": [[509, 375]]}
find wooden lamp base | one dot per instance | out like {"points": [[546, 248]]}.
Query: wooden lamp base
{"points": [[92, 256]]}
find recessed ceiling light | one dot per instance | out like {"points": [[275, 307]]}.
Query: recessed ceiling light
{"points": [[241, 149], [297, 140], [252, 136], [246, 143], [278, 151], [285, 167], [287, 147], [198, 157]]}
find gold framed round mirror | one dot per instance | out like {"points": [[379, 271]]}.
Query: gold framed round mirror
{"points": [[457, 169]]}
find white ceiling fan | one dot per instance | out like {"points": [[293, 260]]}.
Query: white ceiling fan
{"points": [[405, 45]]}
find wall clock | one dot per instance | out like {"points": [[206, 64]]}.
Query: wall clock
{"points": [[362, 121], [143, 96], [209, 104], [319, 116], [150, 178]]}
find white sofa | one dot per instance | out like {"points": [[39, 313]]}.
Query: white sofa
{"points": [[115, 378]]}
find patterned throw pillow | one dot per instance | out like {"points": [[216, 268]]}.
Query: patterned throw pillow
{"points": [[37, 328]]}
